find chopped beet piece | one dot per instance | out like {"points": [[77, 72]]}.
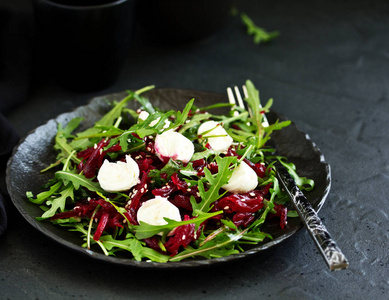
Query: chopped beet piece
{"points": [[200, 163], [153, 243], [282, 213], [95, 160], [137, 193], [165, 191], [246, 203], [93, 157], [258, 168], [182, 201], [243, 219], [182, 236], [101, 226]]}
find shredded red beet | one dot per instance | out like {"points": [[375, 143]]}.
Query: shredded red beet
{"points": [[93, 157], [182, 237], [243, 219], [246, 203], [138, 192], [101, 226], [282, 213]]}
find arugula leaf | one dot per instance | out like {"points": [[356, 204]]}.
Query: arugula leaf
{"points": [[182, 116], [131, 244], [172, 166], [80, 228], [260, 34], [144, 230], [194, 121], [215, 184], [109, 118], [41, 197], [254, 103], [61, 140], [78, 180], [58, 203], [204, 154], [302, 182]]}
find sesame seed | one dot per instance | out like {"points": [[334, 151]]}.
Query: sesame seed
{"points": [[188, 190], [252, 194], [227, 207], [95, 146]]}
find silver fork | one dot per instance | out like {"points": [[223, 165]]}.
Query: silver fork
{"points": [[331, 253]]}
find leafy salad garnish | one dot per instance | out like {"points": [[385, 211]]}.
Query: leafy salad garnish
{"points": [[167, 185]]}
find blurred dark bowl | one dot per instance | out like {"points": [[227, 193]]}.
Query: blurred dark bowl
{"points": [[179, 21]]}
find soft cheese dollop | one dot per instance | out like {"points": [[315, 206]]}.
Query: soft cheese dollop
{"points": [[144, 115], [118, 176], [243, 179], [218, 137], [171, 144], [154, 210]]}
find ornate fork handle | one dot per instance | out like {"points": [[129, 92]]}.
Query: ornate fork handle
{"points": [[332, 254]]}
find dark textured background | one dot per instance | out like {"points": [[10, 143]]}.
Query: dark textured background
{"points": [[328, 71]]}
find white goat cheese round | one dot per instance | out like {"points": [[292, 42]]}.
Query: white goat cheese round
{"points": [[218, 138], [174, 145], [118, 176], [243, 179], [154, 210]]}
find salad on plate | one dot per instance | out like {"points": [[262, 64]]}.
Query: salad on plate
{"points": [[168, 185]]}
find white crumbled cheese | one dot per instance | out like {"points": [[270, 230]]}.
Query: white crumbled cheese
{"points": [[243, 179], [218, 137], [174, 145], [154, 210], [144, 115], [118, 176]]}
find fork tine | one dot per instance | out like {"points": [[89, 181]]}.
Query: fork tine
{"points": [[232, 101], [239, 97]]}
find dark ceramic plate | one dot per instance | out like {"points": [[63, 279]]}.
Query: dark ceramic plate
{"points": [[35, 152]]}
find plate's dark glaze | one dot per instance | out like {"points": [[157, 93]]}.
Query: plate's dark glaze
{"points": [[35, 152]]}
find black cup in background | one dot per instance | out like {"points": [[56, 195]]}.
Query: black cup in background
{"points": [[83, 44]]}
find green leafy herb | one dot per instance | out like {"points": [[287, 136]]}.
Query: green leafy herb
{"points": [[260, 34], [215, 183]]}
